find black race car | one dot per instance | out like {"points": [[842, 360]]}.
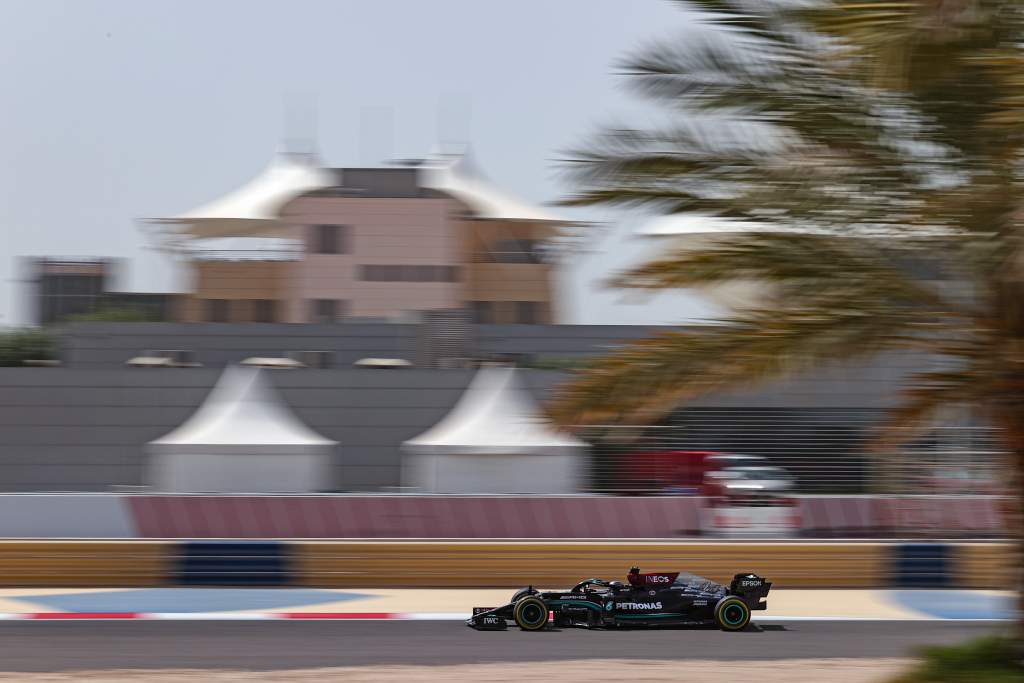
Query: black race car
{"points": [[665, 599]]}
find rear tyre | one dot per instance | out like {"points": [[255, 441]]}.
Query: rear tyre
{"points": [[732, 614], [530, 613]]}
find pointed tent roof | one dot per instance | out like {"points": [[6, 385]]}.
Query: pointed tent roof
{"points": [[494, 416], [243, 414], [255, 208], [458, 176]]}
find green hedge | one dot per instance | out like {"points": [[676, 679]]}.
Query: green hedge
{"points": [[988, 660], [17, 346]]}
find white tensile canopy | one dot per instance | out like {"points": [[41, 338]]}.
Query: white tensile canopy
{"points": [[456, 175], [243, 438], [254, 209], [494, 440]]}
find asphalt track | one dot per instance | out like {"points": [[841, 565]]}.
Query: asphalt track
{"points": [[281, 645]]}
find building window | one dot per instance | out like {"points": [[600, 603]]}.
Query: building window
{"points": [[526, 312], [216, 310], [409, 273], [512, 251], [420, 273], [377, 273], [330, 239], [263, 310], [326, 310], [87, 285], [482, 312]]}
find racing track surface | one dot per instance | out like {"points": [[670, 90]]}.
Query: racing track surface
{"points": [[278, 645]]}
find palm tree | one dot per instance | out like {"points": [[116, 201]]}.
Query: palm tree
{"points": [[860, 136]]}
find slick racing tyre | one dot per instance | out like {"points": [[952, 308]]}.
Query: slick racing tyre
{"points": [[530, 613], [732, 614]]}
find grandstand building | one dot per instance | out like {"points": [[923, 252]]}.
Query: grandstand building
{"points": [[303, 243]]}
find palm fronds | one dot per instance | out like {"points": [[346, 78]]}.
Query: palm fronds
{"points": [[865, 138]]}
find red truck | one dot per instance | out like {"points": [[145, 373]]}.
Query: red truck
{"points": [[679, 472]]}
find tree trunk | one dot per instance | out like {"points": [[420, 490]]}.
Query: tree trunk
{"points": [[1013, 436], [1009, 412]]}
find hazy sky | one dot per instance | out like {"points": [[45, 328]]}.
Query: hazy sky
{"points": [[121, 109]]}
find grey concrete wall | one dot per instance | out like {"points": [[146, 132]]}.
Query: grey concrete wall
{"points": [[110, 345], [69, 429], [85, 430], [83, 427], [555, 341]]}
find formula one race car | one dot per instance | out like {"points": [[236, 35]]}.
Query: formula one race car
{"points": [[667, 599]]}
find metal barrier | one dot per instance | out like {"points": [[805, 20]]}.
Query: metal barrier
{"points": [[471, 564], [233, 563], [466, 564], [985, 566], [87, 563]]}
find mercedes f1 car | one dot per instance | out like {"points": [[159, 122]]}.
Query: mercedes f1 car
{"points": [[665, 599]]}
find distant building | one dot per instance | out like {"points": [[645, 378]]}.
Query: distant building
{"points": [[62, 288], [303, 243]]}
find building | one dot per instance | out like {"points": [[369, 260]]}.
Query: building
{"points": [[63, 288], [301, 243]]}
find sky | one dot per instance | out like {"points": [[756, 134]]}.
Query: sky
{"points": [[116, 110]]}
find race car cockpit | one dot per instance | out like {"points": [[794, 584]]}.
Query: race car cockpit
{"points": [[638, 580]]}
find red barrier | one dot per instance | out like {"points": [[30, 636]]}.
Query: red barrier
{"points": [[838, 515], [902, 515], [197, 516]]}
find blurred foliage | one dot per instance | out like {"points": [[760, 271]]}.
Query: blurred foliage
{"points": [[873, 152], [17, 346], [987, 660], [114, 314]]}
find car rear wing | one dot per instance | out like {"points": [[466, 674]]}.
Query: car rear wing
{"points": [[752, 589]]}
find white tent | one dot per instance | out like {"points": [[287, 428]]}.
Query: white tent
{"points": [[494, 441], [243, 439], [254, 209], [456, 175]]}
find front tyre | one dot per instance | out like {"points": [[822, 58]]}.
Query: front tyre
{"points": [[732, 614], [530, 613]]}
